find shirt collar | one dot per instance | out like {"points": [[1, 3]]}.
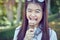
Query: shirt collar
{"points": [[38, 30]]}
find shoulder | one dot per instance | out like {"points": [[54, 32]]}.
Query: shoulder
{"points": [[53, 35], [18, 28], [51, 31], [16, 32]]}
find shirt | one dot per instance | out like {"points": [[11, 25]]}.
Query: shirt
{"points": [[38, 34]]}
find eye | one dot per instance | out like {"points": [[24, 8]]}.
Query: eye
{"points": [[37, 11], [29, 11]]}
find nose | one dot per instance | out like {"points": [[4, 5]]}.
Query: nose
{"points": [[32, 16]]}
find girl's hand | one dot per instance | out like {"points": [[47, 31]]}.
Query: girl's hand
{"points": [[29, 34]]}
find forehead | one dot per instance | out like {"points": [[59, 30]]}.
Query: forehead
{"points": [[34, 6]]}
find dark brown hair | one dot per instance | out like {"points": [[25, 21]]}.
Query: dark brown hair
{"points": [[43, 22]]}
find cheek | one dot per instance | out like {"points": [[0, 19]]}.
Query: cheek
{"points": [[27, 15], [39, 17]]}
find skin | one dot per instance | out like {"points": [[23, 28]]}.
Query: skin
{"points": [[34, 16]]}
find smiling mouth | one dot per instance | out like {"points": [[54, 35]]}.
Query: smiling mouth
{"points": [[33, 19]]}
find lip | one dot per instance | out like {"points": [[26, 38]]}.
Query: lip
{"points": [[33, 19], [36, 19]]}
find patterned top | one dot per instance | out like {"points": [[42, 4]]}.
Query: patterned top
{"points": [[38, 34]]}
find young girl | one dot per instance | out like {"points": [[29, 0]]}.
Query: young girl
{"points": [[35, 22]]}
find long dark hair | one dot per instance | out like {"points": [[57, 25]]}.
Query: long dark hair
{"points": [[43, 22]]}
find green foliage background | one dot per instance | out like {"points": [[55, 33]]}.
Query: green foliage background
{"points": [[7, 34]]}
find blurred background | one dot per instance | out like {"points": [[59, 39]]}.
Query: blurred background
{"points": [[10, 17]]}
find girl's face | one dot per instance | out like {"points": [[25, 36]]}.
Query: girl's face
{"points": [[34, 13]]}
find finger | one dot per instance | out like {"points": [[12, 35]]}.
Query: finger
{"points": [[29, 32]]}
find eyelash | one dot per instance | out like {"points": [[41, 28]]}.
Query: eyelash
{"points": [[35, 11], [29, 11]]}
